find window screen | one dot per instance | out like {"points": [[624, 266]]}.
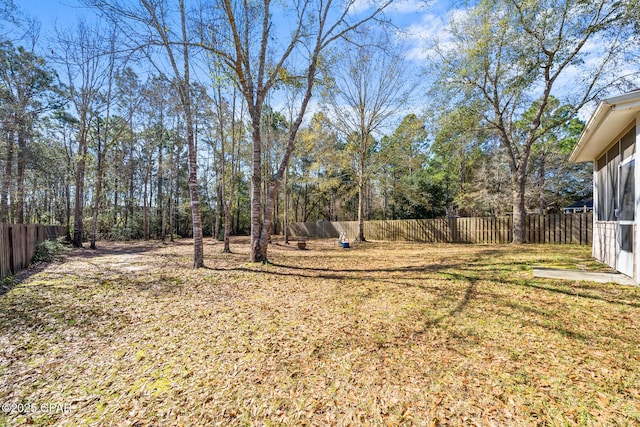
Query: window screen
{"points": [[613, 161], [627, 192], [628, 144], [601, 188]]}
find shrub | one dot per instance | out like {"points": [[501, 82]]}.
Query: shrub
{"points": [[47, 251]]}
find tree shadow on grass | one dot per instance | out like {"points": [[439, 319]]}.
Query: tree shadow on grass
{"points": [[350, 273], [574, 292], [329, 274], [531, 313], [469, 295], [432, 278], [486, 267], [117, 248], [63, 297], [10, 282], [431, 272], [507, 308], [38, 308]]}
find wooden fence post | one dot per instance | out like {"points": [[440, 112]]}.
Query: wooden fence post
{"points": [[552, 229], [18, 244]]}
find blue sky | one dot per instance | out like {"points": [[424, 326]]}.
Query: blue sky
{"points": [[419, 18], [406, 11], [49, 11], [421, 21], [52, 14]]}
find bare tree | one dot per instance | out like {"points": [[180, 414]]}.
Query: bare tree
{"points": [[243, 36], [105, 134], [81, 55], [152, 25], [229, 132], [245, 39], [368, 85]]}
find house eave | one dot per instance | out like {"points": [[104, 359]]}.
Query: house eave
{"points": [[611, 117]]}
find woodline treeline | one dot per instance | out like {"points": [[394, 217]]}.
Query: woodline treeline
{"points": [[156, 119]]}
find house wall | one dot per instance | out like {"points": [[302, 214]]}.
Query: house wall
{"points": [[604, 242], [636, 247], [607, 205], [636, 229]]}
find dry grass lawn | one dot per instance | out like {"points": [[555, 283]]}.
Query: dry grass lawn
{"points": [[380, 334]]}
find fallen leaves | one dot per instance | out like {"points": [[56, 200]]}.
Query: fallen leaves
{"points": [[385, 334]]}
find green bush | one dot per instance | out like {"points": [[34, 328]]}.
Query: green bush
{"points": [[47, 251], [6, 283]]}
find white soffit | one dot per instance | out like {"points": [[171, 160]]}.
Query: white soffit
{"points": [[609, 119]]}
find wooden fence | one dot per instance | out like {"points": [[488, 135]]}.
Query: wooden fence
{"points": [[575, 228], [18, 244]]}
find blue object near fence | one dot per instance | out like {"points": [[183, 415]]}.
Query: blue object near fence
{"points": [[345, 245]]}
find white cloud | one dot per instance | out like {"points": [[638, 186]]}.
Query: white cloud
{"points": [[396, 7], [407, 6], [421, 24], [362, 5], [431, 30]]}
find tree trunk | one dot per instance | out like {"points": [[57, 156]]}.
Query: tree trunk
{"points": [[163, 223], [116, 189], [305, 203], [258, 245], [78, 226], [519, 210], [276, 214], [198, 251], [237, 230], [285, 215], [260, 236], [541, 201], [159, 202], [361, 237], [385, 200], [97, 193], [22, 153], [145, 207], [96, 211], [227, 228], [172, 184], [7, 179], [185, 95], [198, 248], [229, 199], [129, 210], [228, 204], [67, 193], [262, 243], [219, 208], [361, 181]]}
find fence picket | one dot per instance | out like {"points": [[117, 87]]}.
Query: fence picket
{"points": [[575, 228], [18, 244]]}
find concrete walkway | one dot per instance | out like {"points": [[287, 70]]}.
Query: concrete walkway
{"points": [[590, 276]]}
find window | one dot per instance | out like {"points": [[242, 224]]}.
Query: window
{"points": [[626, 191], [600, 190], [613, 160], [627, 144], [615, 190]]}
